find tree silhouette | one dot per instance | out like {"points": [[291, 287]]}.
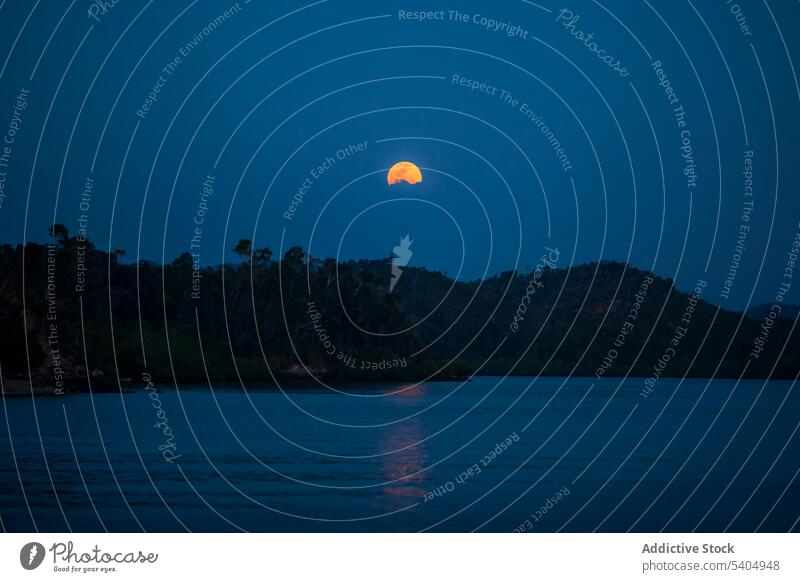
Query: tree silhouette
{"points": [[59, 232], [244, 248]]}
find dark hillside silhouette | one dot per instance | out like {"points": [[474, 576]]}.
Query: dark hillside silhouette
{"points": [[287, 317]]}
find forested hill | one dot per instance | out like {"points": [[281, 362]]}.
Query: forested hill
{"points": [[91, 315]]}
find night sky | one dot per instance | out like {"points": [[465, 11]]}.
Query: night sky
{"points": [[659, 133]]}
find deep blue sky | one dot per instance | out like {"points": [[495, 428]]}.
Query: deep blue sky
{"points": [[492, 181]]}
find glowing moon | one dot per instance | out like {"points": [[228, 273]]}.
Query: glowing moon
{"points": [[404, 172]]}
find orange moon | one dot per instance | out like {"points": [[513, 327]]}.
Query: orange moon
{"points": [[404, 172]]}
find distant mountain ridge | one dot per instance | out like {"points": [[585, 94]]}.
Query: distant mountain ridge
{"points": [[760, 311], [598, 319]]}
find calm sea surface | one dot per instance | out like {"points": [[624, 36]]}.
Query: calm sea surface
{"points": [[492, 454]]}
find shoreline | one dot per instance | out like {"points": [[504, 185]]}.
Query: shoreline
{"points": [[19, 388]]}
